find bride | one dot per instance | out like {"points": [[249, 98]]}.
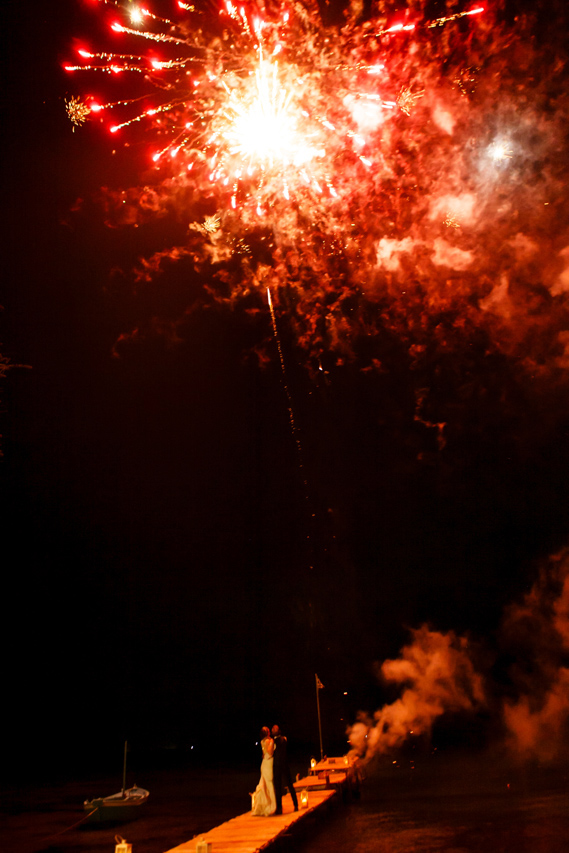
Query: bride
{"points": [[264, 803]]}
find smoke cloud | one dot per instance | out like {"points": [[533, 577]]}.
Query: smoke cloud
{"points": [[537, 632], [437, 676]]}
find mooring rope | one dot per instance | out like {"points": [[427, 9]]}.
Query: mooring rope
{"points": [[67, 828]]}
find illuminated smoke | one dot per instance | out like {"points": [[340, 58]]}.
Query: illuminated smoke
{"points": [[437, 677], [537, 633]]}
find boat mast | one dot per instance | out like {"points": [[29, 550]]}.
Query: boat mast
{"points": [[319, 686], [124, 769]]}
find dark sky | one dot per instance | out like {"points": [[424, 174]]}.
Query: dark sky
{"points": [[158, 533]]}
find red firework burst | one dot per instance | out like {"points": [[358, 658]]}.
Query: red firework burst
{"points": [[371, 174]]}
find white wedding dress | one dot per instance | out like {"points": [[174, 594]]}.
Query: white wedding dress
{"points": [[264, 802]]}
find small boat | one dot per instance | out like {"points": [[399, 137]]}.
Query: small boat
{"points": [[119, 807]]}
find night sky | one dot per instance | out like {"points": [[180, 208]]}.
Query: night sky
{"points": [[175, 570]]}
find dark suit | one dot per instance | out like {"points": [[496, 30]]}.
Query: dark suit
{"points": [[281, 773]]}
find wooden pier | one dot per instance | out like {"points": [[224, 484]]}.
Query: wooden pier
{"points": [[250, 834]]}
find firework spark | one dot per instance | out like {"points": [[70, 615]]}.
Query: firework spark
{"points": [[77, 110]]}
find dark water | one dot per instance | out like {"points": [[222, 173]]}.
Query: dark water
{"points": [[183, 803], [456, 805]]}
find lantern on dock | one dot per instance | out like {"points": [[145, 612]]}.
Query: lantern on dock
{"points": [[304, 799], [121, 845], [346, 760], [312, 763]]}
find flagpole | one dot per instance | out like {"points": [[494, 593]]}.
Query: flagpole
{"points": [[319, 720]]}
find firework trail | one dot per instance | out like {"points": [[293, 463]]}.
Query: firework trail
{"points": [[293, 426]]}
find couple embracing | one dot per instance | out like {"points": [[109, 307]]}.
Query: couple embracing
{"points": [[268, 796]]}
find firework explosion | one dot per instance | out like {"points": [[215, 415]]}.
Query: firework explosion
{"points": [[270, 108], [392, 164], [397, 182]]}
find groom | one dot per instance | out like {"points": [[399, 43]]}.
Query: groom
{"points": [[281, 771]]}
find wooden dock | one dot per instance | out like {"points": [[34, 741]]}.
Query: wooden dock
{"points": [[250, 834]]}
